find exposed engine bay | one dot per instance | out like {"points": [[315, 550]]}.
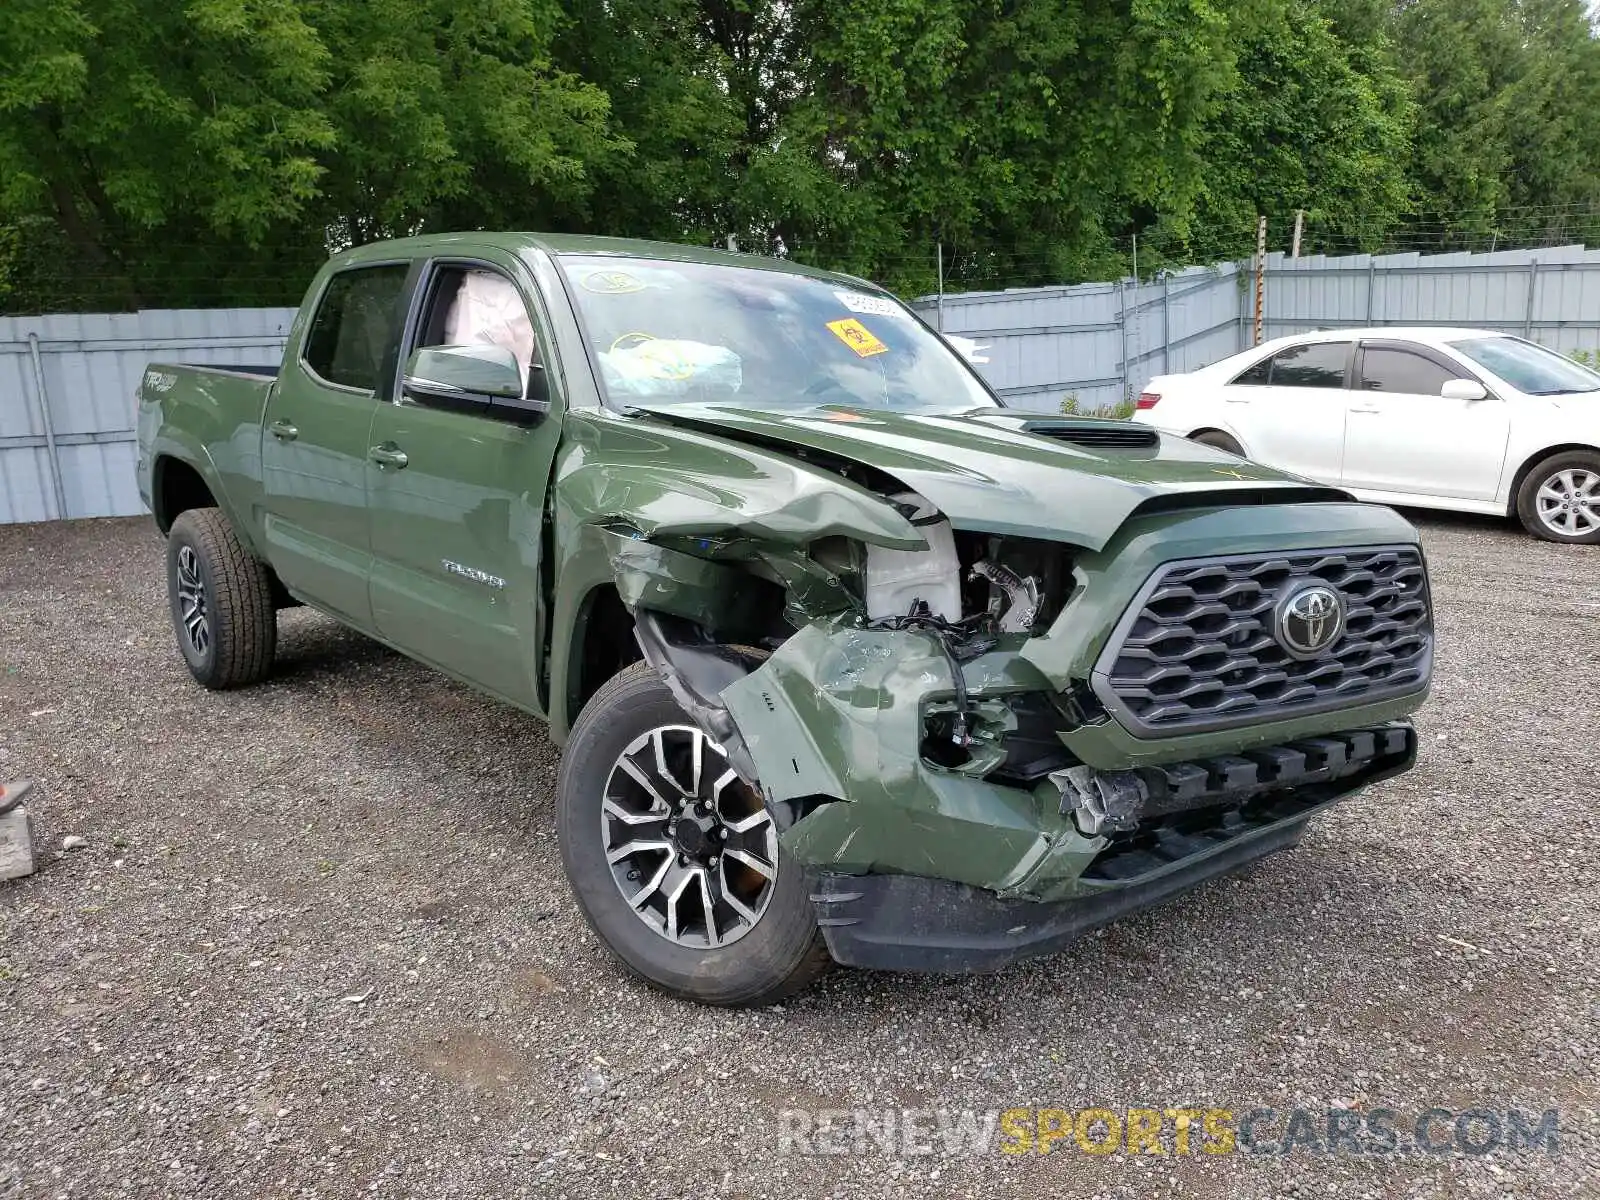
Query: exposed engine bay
{"points": [[981, 582], [966, 590]]}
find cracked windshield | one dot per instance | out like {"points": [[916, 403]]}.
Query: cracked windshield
{"points": [[664, 331]]}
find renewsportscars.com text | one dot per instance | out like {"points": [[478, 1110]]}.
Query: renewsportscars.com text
{"points": [[1175, 1131]]}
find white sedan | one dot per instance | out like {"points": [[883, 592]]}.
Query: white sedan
{"points": [[1437, 418]]}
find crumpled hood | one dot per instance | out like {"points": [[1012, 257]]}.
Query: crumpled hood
{"points": [[1004, 471]]}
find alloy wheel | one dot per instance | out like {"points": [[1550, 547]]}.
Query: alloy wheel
{"points": [[193, 610], [1568, 503], [690, 845]]}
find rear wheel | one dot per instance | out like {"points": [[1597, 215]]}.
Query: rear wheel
{"points": [[1560, 498], [221, 601], [675, 860], [1218, 440]]}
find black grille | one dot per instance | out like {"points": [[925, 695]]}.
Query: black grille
{"points": [[1198, 651]]}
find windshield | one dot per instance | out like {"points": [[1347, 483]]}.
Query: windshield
{"points": [[1530, 369], [665, 332]]}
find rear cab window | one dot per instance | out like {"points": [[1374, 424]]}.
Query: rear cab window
{"points": [[354, 326]]}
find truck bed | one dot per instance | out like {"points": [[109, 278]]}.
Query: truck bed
{"points": [[207, 413]]}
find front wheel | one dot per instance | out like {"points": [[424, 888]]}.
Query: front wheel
{"points": [[674, 859], [1560, 499]]}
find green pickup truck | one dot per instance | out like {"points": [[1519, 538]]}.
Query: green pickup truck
{"points": [[849, 660]]}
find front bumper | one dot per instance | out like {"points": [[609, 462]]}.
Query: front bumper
{"points": [[841, 728], [917, 923], [836, 726]]}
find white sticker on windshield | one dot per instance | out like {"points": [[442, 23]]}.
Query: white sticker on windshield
{"points": [[875, 306]]}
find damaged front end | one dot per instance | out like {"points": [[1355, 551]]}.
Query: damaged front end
{"points": [[929, 712]]}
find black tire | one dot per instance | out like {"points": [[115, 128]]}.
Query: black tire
{"points": [[777, 956], [1550, 472], [1217, 440], [237, 613]]}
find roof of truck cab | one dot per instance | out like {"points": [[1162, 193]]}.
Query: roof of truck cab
{"points": [[563, 244]]}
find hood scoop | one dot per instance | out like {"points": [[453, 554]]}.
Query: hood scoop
{"points": [[1108, 435]]}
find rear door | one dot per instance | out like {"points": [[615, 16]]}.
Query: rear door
{"points": [[457, 498], [1403, 436], [314, 441], [1289, 409]]}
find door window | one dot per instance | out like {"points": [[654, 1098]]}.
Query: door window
{"points": [[1318, 365], [1384, 369], [474, 306], [1256, 375], [354, 322]]}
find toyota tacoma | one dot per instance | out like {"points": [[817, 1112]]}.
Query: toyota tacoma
{"points": [[848, 659]]}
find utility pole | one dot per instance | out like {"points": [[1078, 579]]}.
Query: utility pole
{"points": [[1136, 260], [1261, 267], [941, 287], [1299, 222]]}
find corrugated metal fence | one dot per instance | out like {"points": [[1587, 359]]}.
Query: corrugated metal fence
{"points": [[66, 398], [1094, 341], [1101, 342], [67, 382]]}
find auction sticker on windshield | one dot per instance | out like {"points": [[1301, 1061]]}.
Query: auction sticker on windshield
{"points": [[869, 306], [857, 336], [611, 283]]}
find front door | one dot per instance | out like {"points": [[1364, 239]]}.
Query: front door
{"points": [[1403, 437], [314, 441], [457, 498]]}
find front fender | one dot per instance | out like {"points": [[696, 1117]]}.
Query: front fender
{"points": [[625, 488]]}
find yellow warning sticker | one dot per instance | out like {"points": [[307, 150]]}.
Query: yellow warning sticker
{"points": [[857, 336]]}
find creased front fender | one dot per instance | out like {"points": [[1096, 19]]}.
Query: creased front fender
{"points": [[625, 486]]}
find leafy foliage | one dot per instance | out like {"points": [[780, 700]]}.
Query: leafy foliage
{"points": [[213, 151]]}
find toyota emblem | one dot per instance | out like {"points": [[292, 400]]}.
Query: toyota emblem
{"points": [[1309, 620]]}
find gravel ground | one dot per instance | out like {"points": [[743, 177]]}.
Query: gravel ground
{"points": [[319, 944]]}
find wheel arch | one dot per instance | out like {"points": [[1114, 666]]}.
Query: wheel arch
{"points": [[1223, 430], [176, 487], [601, 644]]}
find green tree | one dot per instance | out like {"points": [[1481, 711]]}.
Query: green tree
{"points": [[211, 151], [1313, 122], [1011, 134], [1507, 148]]}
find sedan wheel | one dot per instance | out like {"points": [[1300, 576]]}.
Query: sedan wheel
{"points": [[1560, 498], [1567, 503]]}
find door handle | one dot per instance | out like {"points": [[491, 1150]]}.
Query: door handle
{"points": [[388, 455], [284, 431], [1371, 412], [1237, 399]]}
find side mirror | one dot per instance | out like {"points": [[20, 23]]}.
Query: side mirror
{"points": [[1464, 389], [525, 408], [466, 378]]}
